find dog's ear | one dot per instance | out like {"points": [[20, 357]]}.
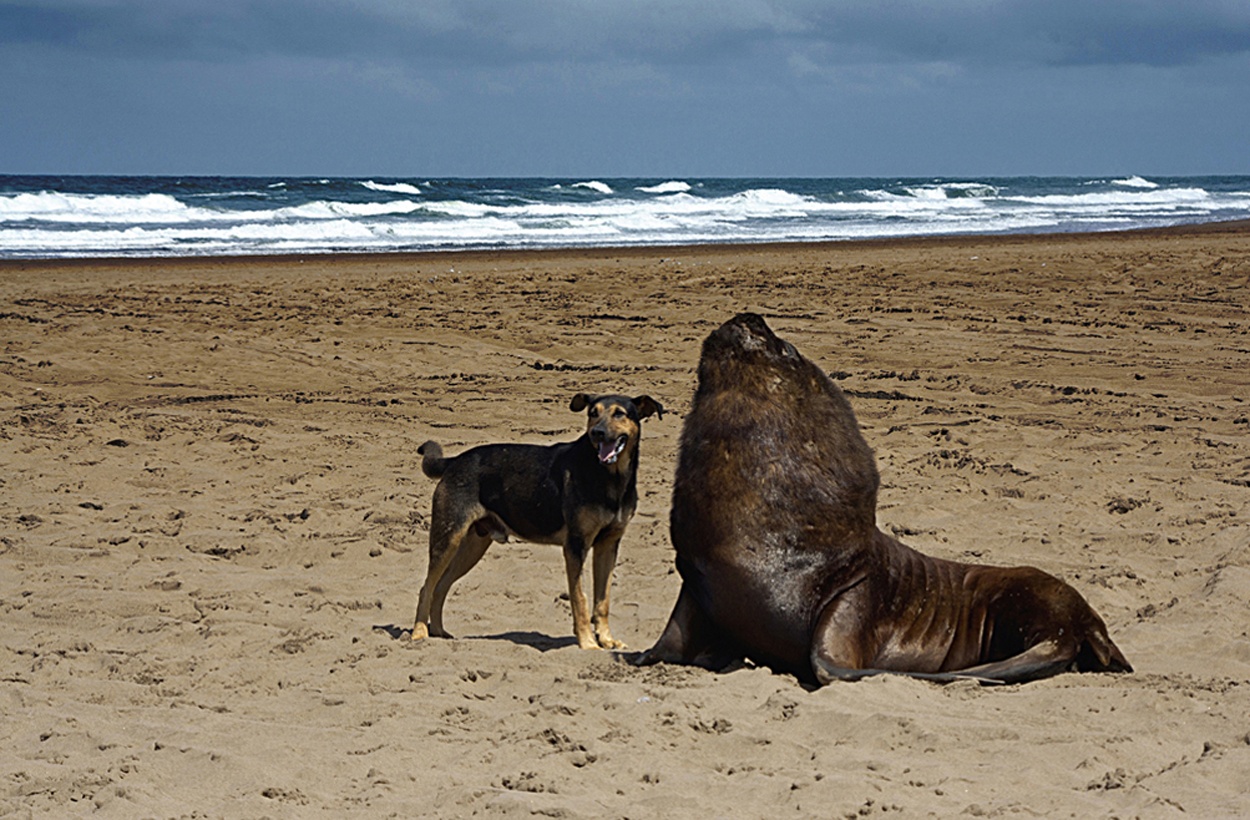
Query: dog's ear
{"points": [[647, 405], [581, 401]]}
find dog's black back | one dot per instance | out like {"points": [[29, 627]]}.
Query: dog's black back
{"points": [[532, 488], [536, 490]]}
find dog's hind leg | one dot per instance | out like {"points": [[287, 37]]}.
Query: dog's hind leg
{"points": [[604, 563], [450, 526], [472, 547], [444, 544]]}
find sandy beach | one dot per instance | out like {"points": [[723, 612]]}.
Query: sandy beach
{"points": [[213, 527]]}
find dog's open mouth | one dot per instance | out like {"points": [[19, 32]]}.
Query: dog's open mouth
{"points": [[610, 451]]}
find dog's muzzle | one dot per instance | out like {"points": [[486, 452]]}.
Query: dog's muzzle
{"points": [[610, 450]]}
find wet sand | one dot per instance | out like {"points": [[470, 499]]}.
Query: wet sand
{"points": [[213, 528]]}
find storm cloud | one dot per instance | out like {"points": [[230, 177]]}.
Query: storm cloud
{"points": [[669, 33], [574, 86]]}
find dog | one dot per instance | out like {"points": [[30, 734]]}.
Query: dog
{"points": [[578, 494]]}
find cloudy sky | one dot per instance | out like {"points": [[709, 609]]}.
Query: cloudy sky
{"points": [[605, 88]]}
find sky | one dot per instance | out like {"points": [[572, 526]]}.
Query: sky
{"points": [[625, 88]]}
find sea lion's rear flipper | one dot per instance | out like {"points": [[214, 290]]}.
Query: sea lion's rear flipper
{"points": [[1041, 660], [826, 673], [838, 653], [1099, 654], [690, 637], [1070, 652]]}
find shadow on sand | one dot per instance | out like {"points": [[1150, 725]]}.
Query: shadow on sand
{"points": [[537, 640]]}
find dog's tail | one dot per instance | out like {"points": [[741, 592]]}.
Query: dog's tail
{"points": [[432, 462]]}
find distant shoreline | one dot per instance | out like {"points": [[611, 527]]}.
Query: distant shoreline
{"points": [[1236, 226]]}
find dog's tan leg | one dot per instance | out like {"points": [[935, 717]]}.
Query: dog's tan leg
{"points": [[574, 560], [472, 548], [445, 544], [604, 563]]}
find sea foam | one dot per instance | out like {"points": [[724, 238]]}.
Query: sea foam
{"points": [[594, 185], [1135, 182], [96, 216], [671, 187], [53, 206], [392, 187]]}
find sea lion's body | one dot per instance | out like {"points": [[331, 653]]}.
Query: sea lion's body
{"points": [[774, 526]]}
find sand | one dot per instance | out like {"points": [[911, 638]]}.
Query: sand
{"points": [[213, 528]]}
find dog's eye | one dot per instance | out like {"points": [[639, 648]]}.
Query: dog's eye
{"points": [[618, 413]]}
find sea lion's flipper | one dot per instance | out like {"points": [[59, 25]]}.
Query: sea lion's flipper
{"points": [[1041, 660], [826, 673], [1100, 654], [1095, 653], [690, 637], [838, 652]]}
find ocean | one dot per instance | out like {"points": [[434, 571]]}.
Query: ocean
{"points": [[98, 216]]}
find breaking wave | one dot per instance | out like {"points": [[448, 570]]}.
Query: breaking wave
{"points": [[89, 216]]}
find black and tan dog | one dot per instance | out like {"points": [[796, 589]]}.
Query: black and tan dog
{"points": [[579, 494]]}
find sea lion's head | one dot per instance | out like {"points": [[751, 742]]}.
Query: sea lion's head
{"points": [[765, 412], [744, 354]]}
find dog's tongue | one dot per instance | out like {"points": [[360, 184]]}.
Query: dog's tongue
{"points": [[609, 450]]}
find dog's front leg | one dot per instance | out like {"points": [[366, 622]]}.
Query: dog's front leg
{"points": [[574, 559], [604, 563]]}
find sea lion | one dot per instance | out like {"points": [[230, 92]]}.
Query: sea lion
{"points": [[774, 525]]}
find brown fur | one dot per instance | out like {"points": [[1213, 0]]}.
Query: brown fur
{"points": [[774, 524]]}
